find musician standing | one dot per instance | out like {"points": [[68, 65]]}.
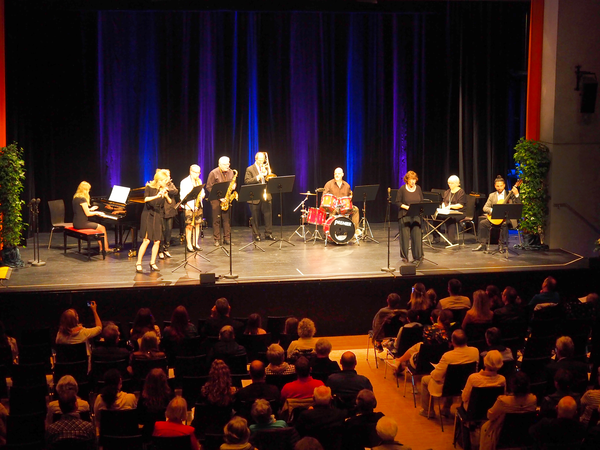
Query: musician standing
{"points": [[483, 231], [410, 226], [170, 213], [151, 224], [339, 188], [219, 175], [256, 174], [193, 208]]}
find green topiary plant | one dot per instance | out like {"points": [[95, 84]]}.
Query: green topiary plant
{"points": [[12, 174], [533, 162]]}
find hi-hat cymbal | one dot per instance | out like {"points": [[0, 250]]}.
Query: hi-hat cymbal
{"points": [[307, 193]]}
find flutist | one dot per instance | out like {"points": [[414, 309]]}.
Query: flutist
{"points": [[258, 173]]}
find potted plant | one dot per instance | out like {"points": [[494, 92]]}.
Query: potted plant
{"points": [[12, 174], [533, 162]]}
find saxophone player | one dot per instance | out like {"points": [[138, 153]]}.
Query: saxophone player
{"points": [[193, 208], [257, 174], [219, 175]]}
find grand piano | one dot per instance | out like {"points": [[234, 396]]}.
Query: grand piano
{"points": [[123, 211]]}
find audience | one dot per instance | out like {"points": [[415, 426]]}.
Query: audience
{"points": [[322, 416], [262, 414], [304, 386], [254, 325], [277, 364], [290, 332], [7, 342], [259, 389], [154, 400], [72, 332], [348, 383], [218, 390], [387, 429], [432, 298], [226, 347], [110, 350], [493, 341], [219, 317], [236, 435], [590, 401], [454, 300], [358, 428], [70, 426], [64, 385], [420, 303], [565, 349], [434, 382], [547, 294], [487, 377], [564, 429], [393, 304], [148, 350], [494, 295], [480, 312], [181, 328], [521, 401], [563, 383], [143, 323], [511, 311], [111, 396], [306, 341], [321, 363], [176, 414]]}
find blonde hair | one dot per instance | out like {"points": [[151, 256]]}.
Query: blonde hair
{"points": [[481, 303], [83, 191], [176, 410], [159, 176], [306, 328]]}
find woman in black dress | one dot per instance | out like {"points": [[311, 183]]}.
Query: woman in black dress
{"points": [[410, 226], [82, 210], [151, 226]]}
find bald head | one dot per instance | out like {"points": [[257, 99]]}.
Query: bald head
{"points": [[322, 395], [257, 370], [348, 361], [567, 408]]}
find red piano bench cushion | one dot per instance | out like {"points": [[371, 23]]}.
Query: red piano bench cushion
{"points": [[85, 234], [86, 231]]}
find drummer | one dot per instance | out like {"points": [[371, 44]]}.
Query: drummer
{"points": [[339, 189]]}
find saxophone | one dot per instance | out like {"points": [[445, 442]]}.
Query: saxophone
{"points": [[230, 196]]}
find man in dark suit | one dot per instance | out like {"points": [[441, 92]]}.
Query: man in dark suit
{"points": [[347, 383], [565, 349], [323, 416], [258, 388], [257, 173]]}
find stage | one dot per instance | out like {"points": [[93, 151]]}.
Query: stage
{"points": [[342, 285]]}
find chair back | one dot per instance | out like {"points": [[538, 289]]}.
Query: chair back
{"points": [[280, 380], [142, 367], [456, 378], [515, 430], [409, 337], [429, 354], [393, 324], [329, 437], [24, 375], [71, 352], [74, 444], [482, 399], [508, 370], [77, 369], [190, 346], [119, 422], [99, 368], [210, 419], [36, 353], [275, 439], [469, 209], [237, 364], [539, 347], [190, 366], [542, 327], [25, 428], [254, 344], [476, 331], [57, 211], [458, 316], [191, 387], [4, 374], [171, 442], [276, 326], [535, 368], [28, 399]]}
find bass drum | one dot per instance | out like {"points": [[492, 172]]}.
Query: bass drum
{"points": [[339, 229]]}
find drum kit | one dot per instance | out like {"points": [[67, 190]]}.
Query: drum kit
{"points": [[338, 227]]}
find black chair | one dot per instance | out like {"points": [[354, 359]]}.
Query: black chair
{"points": [[190, 389], [190, 346], [454, 382], [119, 429], [515, 430], [190, 366], [409, 337], [28, 399], [142, 367], [280, 380], [539, 347], [391, 326], [515, 344], [210, 419], [83, 415], [476, 331], [467, 223], [286, 339], [212, 441], [544, 327], [508, 370], [237, 364], [275, 439], [255, 344], [36, 353], [71, 352], [29, 374], [78, 370], [482, 399], [171, 443], [428, 354], [74, 444], [25, 429], [535, 368], [3, 387], [99, 368], [276, 326], [458, 315], [57, 217], [329, 437]]}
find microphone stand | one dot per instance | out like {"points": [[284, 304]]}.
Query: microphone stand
{"points": [[35, 225], [387, 219]]}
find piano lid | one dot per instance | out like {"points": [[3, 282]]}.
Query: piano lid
{"points": [[137, 195]]}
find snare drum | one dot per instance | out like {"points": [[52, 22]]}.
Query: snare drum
{"points": [[339, 229], [316, 216], [328, 203], [345, 205]]}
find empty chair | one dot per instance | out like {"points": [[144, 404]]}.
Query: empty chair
{"points": [[467, 223], [465, 421], [24, 375], [25, 429], [25, 400], [120, 427], [190, 366], [57, 217], [255, 344], [276, 326]]}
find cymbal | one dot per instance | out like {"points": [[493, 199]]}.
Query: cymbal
{"points": [[307, 193]]}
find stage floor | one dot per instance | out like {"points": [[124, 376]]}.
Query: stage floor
{"points": [[301, 262]]}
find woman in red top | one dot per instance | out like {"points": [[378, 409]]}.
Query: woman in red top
{"points": [[173, 427]]}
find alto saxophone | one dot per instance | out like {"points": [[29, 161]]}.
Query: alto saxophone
{"points": [[230, 196]]}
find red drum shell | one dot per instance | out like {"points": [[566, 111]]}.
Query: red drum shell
{"points": [[345, 205], [328, 203], [316, 216]]}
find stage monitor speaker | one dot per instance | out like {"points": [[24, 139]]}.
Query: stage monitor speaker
{"points": [[207, 278], [589, 91], [408, 270]]}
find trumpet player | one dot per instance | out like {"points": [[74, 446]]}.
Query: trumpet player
{"points": [[193, 208], [219, 175], [257, 173]]}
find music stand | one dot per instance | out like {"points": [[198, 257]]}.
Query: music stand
{"points": [[282, 185], [506, 212], [366, 193], [248, 193], [193, 195], [421, 210], [217, 193]]}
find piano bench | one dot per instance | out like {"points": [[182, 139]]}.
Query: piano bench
{"points": [[87, 234]]}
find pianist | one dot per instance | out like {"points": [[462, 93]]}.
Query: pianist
{"points": [[82, 210]]}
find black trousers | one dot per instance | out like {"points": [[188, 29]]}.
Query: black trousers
{"points": [[166, 239], [410, 231], [266, 209], [219, 215], [483, 231]]}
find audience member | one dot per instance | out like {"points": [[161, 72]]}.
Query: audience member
{"points": [[262, 414], [487, 377], [547, 294], [495, 297], [393, 344], [148, 350], [72, 332], [306, 341], [236, 435], [64, 385], [565, 429], [70, 426], [323, 415], [358, 429], [565, 349], [493, 339], [258, 388], [480, 312], [393, 304], [254, 325], [521, 401], [226, 347], [277, 364], [174, 425], [218, 390], [308, 443], [8, 342], [111, 396], [181, 328], [304, 386], [154, 399], [461, 354], [432, 297], [511, 311], [454, 300], [348, 383], [290, 332], [321, 363], [219, 317], [420, 303], [387, 429], [110, 351], [143, 323], [590, 402], [562, 382]]}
